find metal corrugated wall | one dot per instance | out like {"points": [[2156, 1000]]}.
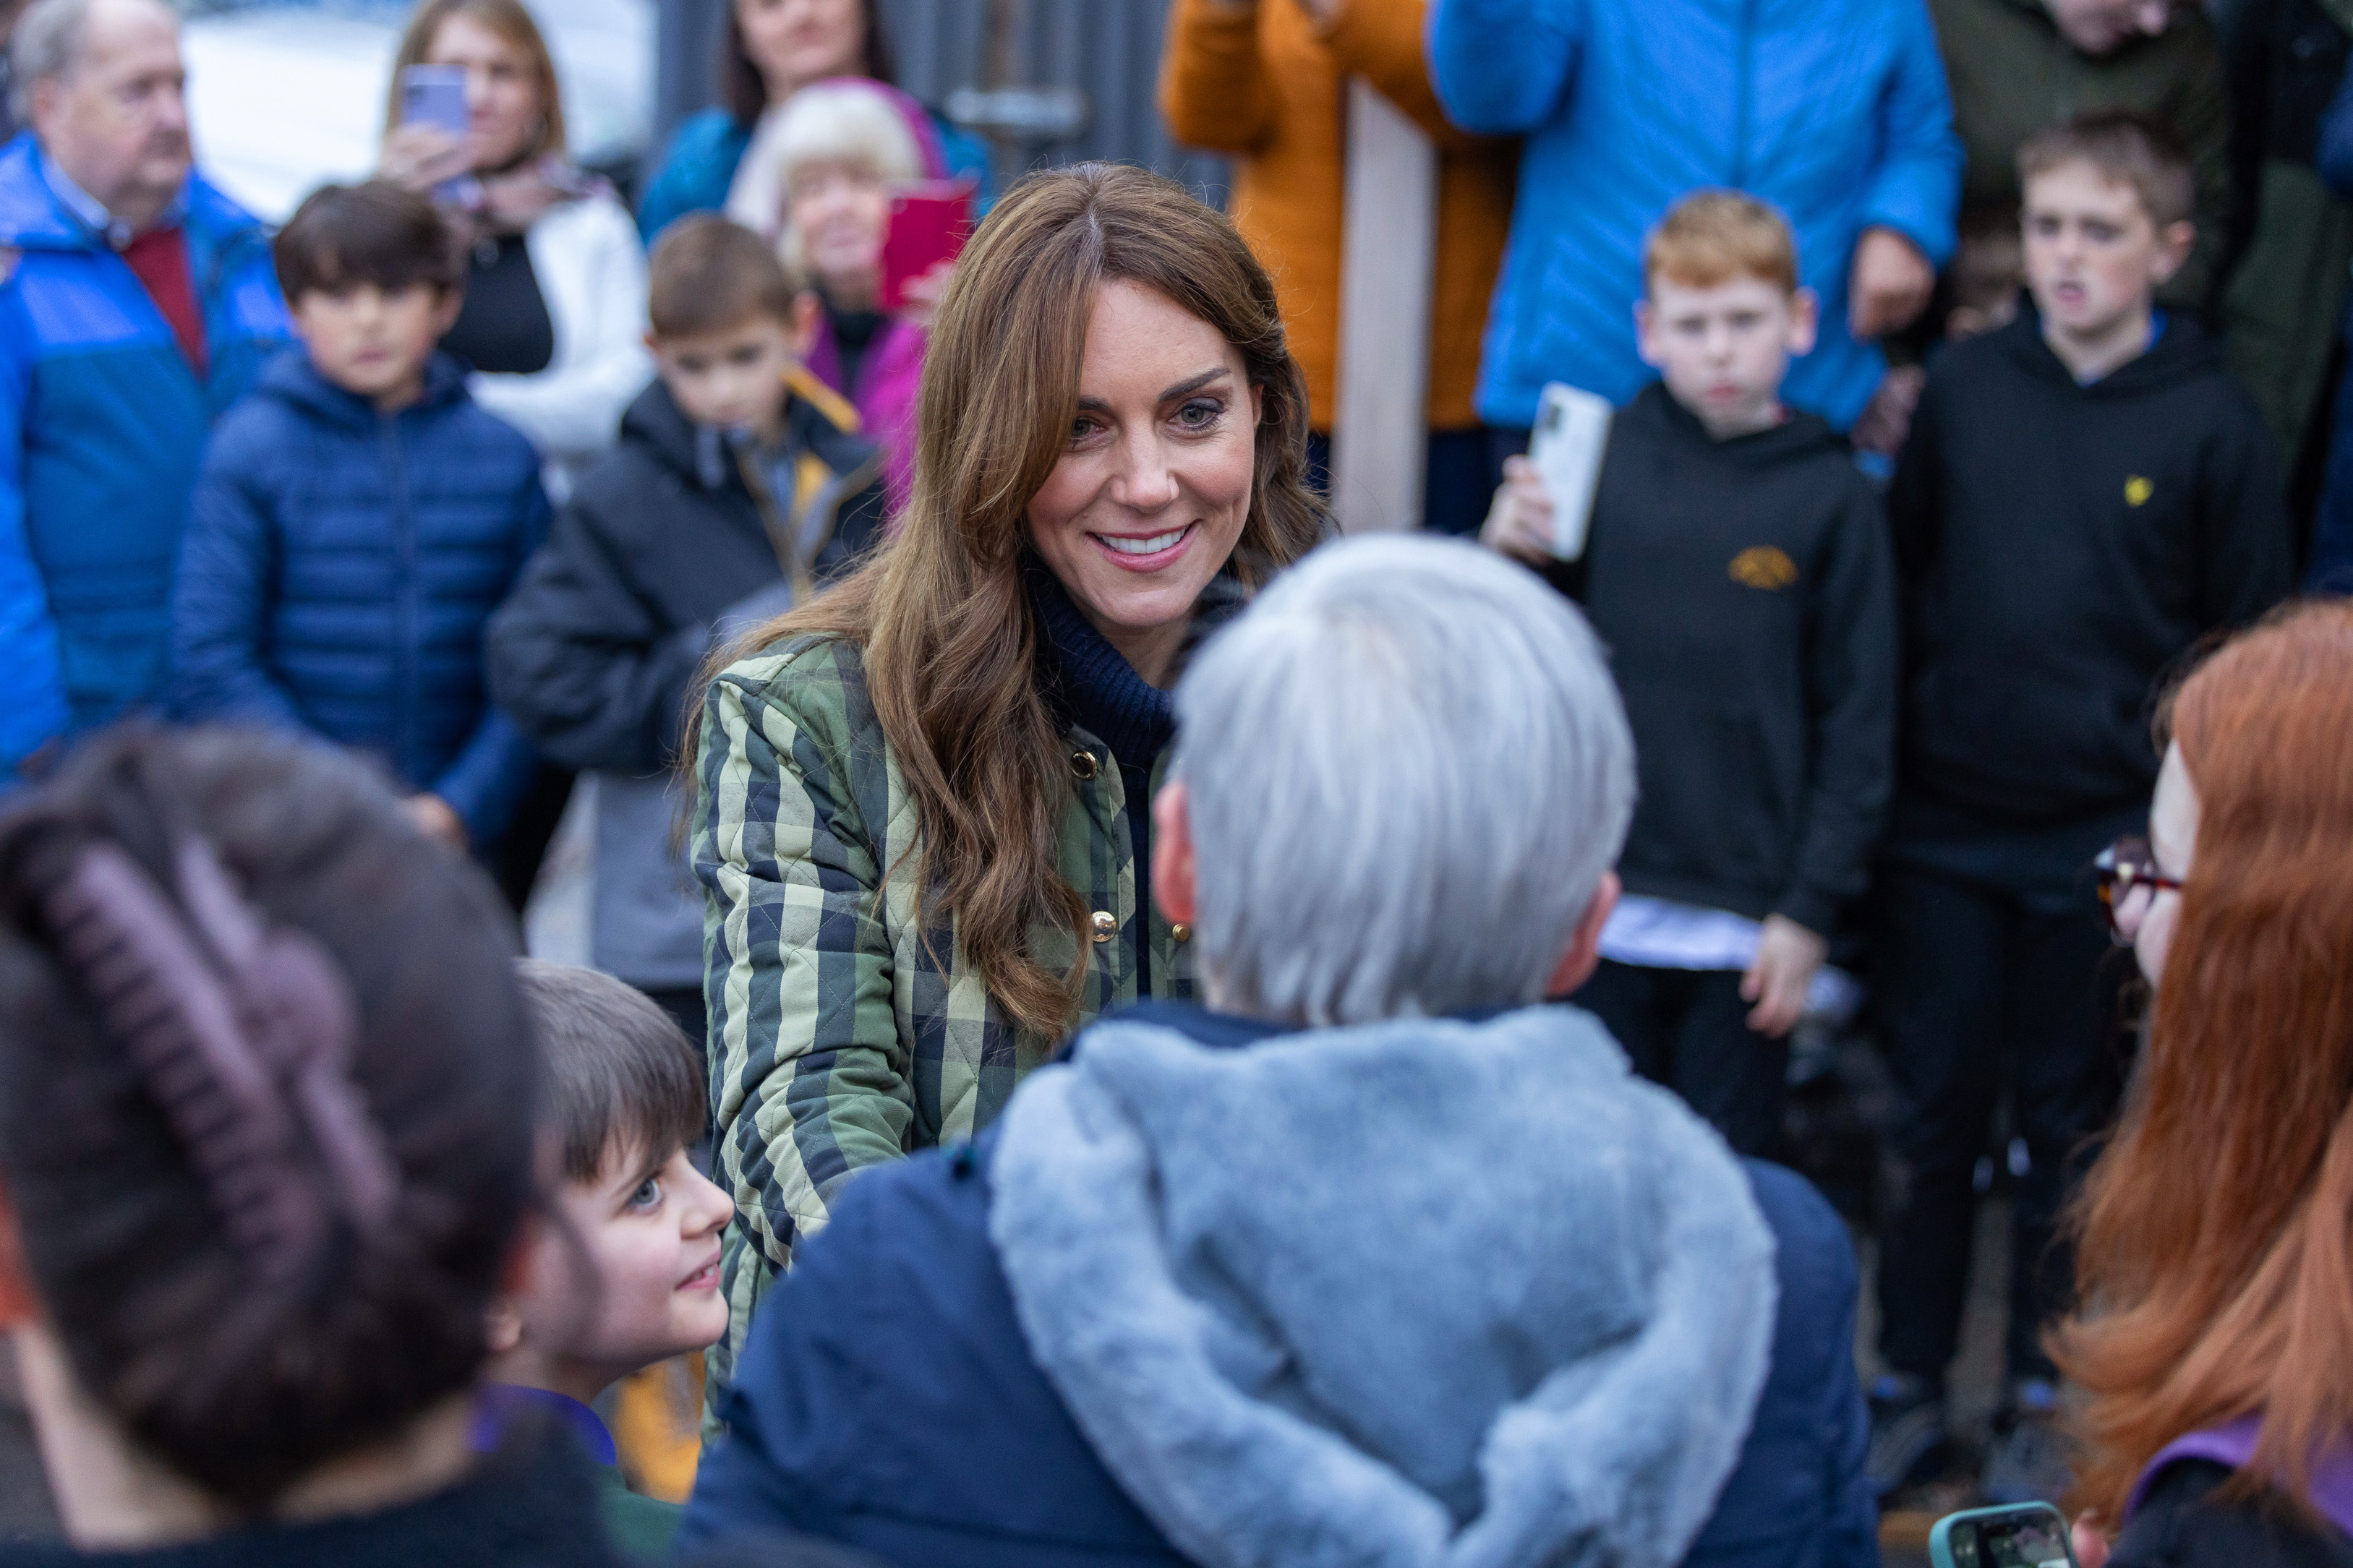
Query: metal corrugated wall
{"points": [[1108, 49]]}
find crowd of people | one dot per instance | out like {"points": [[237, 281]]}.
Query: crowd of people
{"points": [[1126, 1027]]}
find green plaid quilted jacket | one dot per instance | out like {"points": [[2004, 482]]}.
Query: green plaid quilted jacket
{"points": [[836, 1041]]}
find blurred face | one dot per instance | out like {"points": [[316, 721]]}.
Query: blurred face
{"points": [[2093, 257], [841, 212], [503, 106], [2099, 26], [1723, 350], [117, 122], [793, 42], [732, 379], [2149, 915], [1153, 483], [373, 341], [650, 1233]]}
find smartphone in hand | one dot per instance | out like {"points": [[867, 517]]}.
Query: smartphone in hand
{"points": [[2026, 1535], [929, 220], [435, 96]]}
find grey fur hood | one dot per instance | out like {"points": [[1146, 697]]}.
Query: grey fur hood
{"points": [[1408, 1295]]}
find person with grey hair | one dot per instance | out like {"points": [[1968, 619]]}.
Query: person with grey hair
{"points": [[1379, 1258], [137, 302]]}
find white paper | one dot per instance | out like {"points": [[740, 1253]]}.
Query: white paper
{"points": [[1572, 431]]}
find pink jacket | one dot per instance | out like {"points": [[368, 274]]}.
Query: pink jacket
{"points": [[888, 379]]}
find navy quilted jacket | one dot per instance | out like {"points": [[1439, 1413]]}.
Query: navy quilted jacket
{"points": [[339, 567]]}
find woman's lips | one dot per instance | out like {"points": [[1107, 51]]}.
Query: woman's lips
{"points": [[1144, 551]]}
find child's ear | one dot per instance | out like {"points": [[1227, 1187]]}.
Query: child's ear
{"points": [[2174, 243], [1805, 322], [17, 1306], [445, 315], [502, 1326], [806, 313], [1644, 323]]}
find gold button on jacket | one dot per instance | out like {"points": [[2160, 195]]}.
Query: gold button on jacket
{"points": [[1106, 925]]}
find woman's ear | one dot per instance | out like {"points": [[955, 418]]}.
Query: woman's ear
{"points": [[1173, 889], [17, 1305]]}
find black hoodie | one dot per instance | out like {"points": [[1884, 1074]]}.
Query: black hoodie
{"points": [[593, 653], [1744, 590], [2058, 547]]}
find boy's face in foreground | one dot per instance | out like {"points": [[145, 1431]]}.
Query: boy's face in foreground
{"points": [[2095, 257], [373, 341], [732, 378], [1723, 350], [629, 1275]]}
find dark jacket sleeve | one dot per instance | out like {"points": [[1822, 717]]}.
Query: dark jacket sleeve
{"points": [[582, 663], [2181, 1524], [1851, 697], [2246, 545], [2332, 154], [1915, 498], [221, 598]]}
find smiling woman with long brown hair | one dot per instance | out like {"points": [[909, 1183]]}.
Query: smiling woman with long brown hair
{"points": [[923, 823], [2215, 1235]]}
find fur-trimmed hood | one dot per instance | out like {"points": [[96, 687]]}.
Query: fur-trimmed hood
{"points": [[1421, 1293]]}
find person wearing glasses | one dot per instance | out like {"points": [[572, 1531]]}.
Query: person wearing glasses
{"points": [[2215, 1350]]}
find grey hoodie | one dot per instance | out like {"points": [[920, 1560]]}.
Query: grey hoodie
{"points": [[1522, 1316]]}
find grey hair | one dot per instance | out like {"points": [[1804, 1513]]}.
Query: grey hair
{"points": [[1407, 770], [44, 46]]}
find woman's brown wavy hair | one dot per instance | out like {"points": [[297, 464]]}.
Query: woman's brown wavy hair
{"points": [[2213, 1264], [949, 643]]}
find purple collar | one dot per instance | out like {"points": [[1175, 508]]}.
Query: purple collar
{"points": [[500, 1405], [2331, 1488]]}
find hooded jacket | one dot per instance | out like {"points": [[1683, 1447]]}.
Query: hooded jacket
{"points": [[339, 567], [1413, 1293], [103, 422], [2058, 546], [1834, 111], [593, 654], [1745, 592]]}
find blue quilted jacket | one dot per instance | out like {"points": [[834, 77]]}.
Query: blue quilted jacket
{"points": [[103, 422], [1835, 110], [339, 569]]}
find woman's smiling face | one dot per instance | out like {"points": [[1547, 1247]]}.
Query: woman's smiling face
{"points": [[1154, 485]]}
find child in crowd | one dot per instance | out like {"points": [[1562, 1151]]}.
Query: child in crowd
{"points": [[625, 1273], [2085, 496], [825, 168], [1737, 568], [739, 482], [265, 1080], [358, 518]]}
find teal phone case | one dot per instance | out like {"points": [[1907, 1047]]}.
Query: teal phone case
{"points": [[1940, 1539]]}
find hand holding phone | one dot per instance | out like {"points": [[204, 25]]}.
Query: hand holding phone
{"points": [[430, 148], [2027, 1535], [929, 223]]}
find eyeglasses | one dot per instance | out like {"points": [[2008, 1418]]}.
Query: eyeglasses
{"points": [[2130, 884]]}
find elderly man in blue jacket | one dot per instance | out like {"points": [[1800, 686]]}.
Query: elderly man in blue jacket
{"points": [[1835, 110], [138, 304], [1375, 1259]]}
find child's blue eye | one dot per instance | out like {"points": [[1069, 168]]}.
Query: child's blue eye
{"points": [[649, 1194]]}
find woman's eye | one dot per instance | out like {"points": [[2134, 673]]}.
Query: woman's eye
{"points": [[1082, 428], [649, 1194], [1200, 414]]}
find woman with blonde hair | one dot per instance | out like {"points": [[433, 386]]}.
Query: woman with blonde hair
{"points": [[2215, 1235], [923, 832], [554, 316]]}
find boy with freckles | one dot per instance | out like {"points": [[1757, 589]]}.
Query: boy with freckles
{"points": [[2085, 496]]}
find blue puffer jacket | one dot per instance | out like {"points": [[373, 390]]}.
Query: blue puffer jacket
{"points": [[1142, 1318], [340, 566], [1835, 110], [702, 156], [103, 422]]}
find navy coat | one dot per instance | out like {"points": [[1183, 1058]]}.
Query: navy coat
{"points": [[339, 567], [887, 1398]]}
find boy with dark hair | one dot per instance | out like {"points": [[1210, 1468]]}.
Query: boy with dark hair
{"points": [[357, 519], [2086, 495], [1737, 568], [627, 1274], [740, 483]]}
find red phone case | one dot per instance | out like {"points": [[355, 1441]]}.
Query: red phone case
{"points": [[929, 223]]}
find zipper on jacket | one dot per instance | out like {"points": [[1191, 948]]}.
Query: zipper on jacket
{"points": [[406, 695], [1744, 51]]}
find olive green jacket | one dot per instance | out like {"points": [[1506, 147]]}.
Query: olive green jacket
{"points": [[839, 1038], [2012, 74]]}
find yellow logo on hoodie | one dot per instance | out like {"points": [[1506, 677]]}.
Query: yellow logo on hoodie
{"points": [[1763, 567], [2138, 490]]}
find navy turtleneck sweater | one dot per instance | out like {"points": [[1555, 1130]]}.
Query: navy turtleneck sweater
{"points": [[1092, 684]]}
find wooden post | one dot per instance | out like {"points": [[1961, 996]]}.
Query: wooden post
{"points": [[1388, 265]]}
